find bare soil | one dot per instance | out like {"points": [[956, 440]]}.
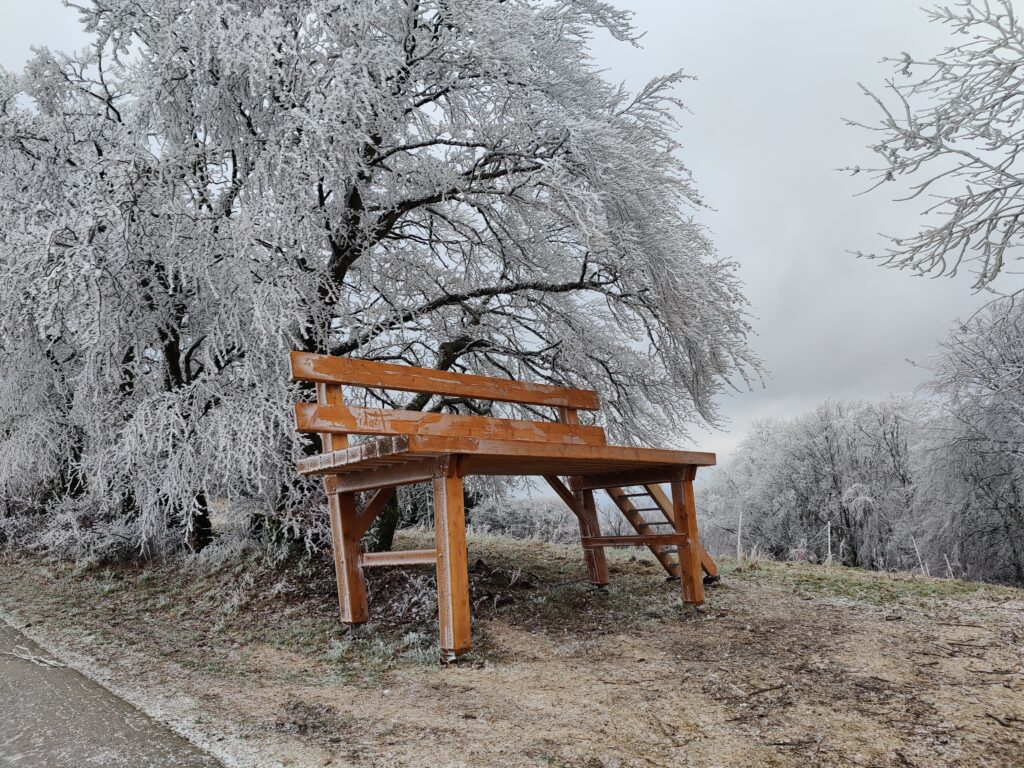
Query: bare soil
{"points": [[786, 665]]}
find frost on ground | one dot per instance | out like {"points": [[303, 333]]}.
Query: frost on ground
{"points": [[786, 665]]}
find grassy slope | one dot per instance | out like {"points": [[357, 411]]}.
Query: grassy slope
{"points": [[786, 665]]}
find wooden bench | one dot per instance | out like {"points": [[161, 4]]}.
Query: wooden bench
{"points": [[442, 449]]}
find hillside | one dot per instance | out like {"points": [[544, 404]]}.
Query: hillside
{"points": [[786, 665]]}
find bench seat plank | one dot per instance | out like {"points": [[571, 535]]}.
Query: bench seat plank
{"points": [[482, 456]]}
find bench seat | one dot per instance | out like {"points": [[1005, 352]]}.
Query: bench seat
{"points": [[373, 451], [499, 457]]}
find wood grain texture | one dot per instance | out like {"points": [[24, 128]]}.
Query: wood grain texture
{"points": [[351, 584], [314, 417], [452, 562], [640, 476], [332, 395], [636, 519], [640, 540], [401, 557], [663, 501], [366, 373], [421, 470], [590, 528], [691, 583]]}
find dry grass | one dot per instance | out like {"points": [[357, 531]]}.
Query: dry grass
{"points": [[786, 665]]}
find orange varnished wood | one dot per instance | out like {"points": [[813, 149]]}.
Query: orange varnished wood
{"points": [[685, 520], [663, 501], [420, 470], [636, 476], [452, 561], [636, 519], [484, 456], [401, 557], [597, 564], [586, 516], [373, 508], [351, 583], [331, 394], [313, 417], [640, 540], [414, 447], [404, 378]]}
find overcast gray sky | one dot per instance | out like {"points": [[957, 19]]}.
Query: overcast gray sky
{"points": [[774, 81]]}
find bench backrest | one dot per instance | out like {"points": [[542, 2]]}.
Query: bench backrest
{"points": [[330, 417]]}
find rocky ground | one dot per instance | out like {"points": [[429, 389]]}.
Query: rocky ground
{"points": [[786, 665]]}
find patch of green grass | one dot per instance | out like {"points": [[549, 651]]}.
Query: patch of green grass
{"points": [[867, 587]]}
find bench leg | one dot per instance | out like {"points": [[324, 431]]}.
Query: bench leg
{"points": [[452, 565], [684, 514], [346, 540], [597, 565]]}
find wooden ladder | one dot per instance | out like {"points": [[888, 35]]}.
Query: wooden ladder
{"points": [[654, 499]]}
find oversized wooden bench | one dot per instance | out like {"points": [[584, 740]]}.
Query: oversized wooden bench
{"points": [[416, 447]]}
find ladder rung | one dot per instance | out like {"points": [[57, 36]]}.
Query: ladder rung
{"points": [[643, 540], [632, 495], [658, 522], [647, 509]]}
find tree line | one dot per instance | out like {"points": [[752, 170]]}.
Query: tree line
{"points": [[932, 483]]}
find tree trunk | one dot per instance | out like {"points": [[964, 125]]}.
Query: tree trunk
{"points": [[200, 534]]}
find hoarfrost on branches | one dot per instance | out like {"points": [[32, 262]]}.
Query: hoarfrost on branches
{"points": [[953, 124], [934, 483], [448, 184]]}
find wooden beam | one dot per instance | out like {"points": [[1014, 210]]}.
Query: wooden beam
{"points": [[452, 561], [331, 394], [636, 519], [685, 519], [597, 564], [663, 501], [586, 515], [640, 540], [509, 450], [349, 572], [404, 378], [487, 456], [402, 557], [315, 417], [368, 450], [341, 511], [373, 508], [416, 471], [633, 477], [564, 494]]}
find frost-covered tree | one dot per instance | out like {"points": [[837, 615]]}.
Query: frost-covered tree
{"points": [[843, 470], [447, 183], [973, 478], [933, 484], [953, 126]]}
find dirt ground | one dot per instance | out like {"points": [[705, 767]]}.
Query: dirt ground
{"points": [[786, 665]]}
